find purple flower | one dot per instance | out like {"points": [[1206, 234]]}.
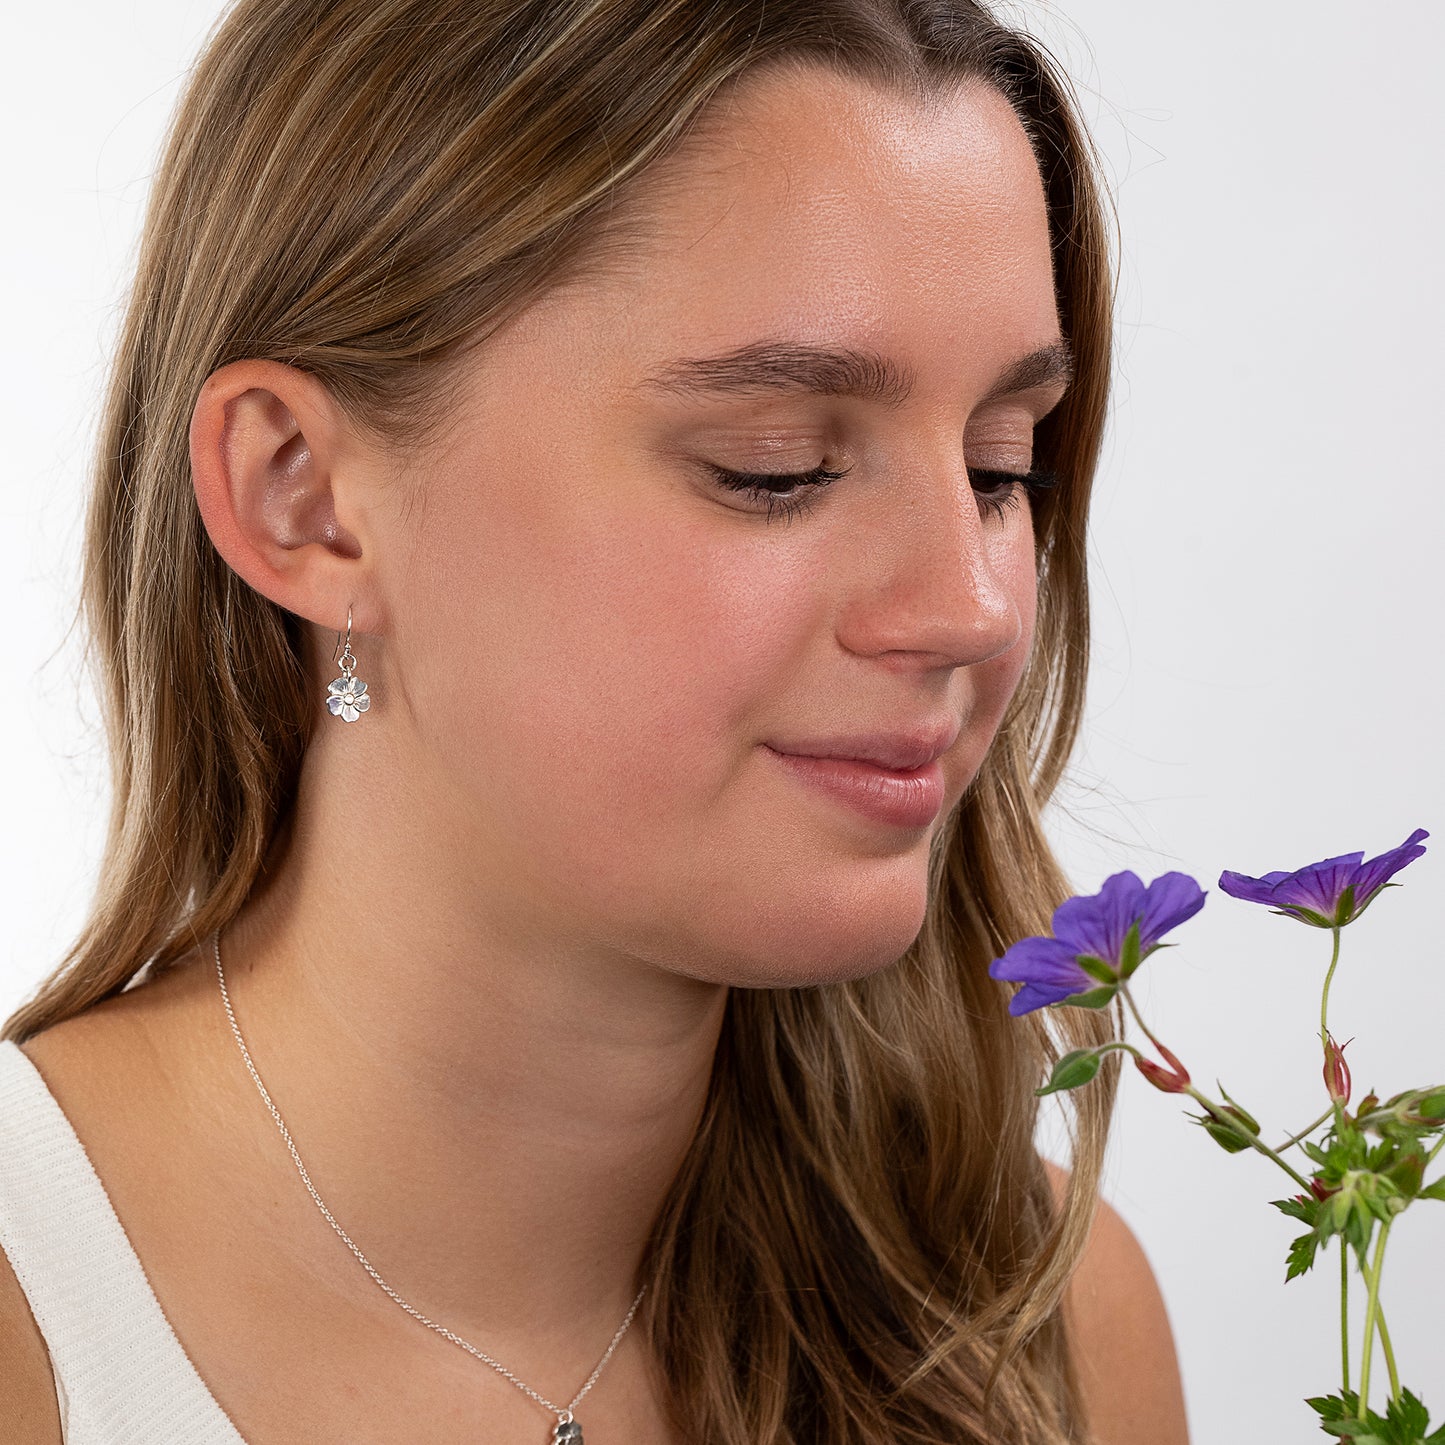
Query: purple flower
{"points": [[1328, 894], [1098, 940]]}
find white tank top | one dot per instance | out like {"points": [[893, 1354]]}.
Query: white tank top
{"points": [[121, 1375]]}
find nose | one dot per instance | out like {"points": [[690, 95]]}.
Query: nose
{"points": [[937, 576]]}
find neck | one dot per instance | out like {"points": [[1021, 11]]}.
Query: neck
{"points": [[492, 1110]]}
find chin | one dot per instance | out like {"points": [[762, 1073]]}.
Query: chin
{"points": [[798, 967]]}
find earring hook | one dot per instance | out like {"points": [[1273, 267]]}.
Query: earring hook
{"points": [[344, 655]]}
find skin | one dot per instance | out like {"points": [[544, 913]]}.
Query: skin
{"points": [[485, 973]]}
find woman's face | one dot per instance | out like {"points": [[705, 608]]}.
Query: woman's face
{"points": [[596, 648]]}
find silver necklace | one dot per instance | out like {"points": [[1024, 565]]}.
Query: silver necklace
{"points": [[567, 1429]]}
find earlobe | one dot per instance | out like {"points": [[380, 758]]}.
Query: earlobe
{"points": [[266, 446]]}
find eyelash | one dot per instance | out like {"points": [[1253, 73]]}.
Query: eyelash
{"points": [[757, 486]]}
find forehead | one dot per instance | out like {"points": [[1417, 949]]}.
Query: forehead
{"points": [[807, 201]]}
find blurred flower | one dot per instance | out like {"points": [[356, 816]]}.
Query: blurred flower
{"points": [[1328, 894], [1098, 940], [1403, 1115]]}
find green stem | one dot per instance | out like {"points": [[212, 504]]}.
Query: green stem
{"points": [[1389, 1353], [1308, 1129], [1134, 1009], [1344, 1314], [1372, 1308], [1336, 1107], [1325, 996], [1213, 1109], [1435, 1149], [1253, 1140]]}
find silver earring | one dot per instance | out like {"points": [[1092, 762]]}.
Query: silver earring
{"points": [[346, 696]]}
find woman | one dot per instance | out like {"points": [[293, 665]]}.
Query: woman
{"points": [[540, 434]]}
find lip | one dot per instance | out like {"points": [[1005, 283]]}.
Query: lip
{"points": [[899, 797], [902, 750]]}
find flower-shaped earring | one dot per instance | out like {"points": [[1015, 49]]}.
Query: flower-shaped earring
{"points": [[346, 696]]}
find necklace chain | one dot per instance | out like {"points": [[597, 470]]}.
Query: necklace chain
{"points": [[563, 1413]]}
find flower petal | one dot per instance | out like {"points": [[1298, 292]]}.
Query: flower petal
{"points": [[1048, 968], [1035, 996], [1172, 898], [362, 701], [1251, 890], [1374, 874], [1320, 885], [1098, 923]]}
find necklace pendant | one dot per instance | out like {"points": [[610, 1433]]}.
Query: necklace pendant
{"points": [[567, 1432]]}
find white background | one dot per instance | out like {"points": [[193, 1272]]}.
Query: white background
{"points": [[1267, 683]]}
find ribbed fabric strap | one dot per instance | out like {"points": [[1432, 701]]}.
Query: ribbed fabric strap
{"points": [[123, 1377]]}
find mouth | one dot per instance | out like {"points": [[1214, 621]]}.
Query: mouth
{"points": [[896, 797]]}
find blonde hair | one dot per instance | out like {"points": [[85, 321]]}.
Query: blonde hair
{"points": [[862, 1245]]}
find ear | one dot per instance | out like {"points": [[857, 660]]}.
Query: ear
{"points": [[280, 479]]}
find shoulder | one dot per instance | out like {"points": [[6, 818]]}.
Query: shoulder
{"points": [[1115, 1314], [68, 1061], [29, 1409]]}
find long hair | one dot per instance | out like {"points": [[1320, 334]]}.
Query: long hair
{"points": [[862, 1245]]}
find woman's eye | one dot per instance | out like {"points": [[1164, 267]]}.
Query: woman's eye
{"points": [[787, 493], [1001, 492], [790, 493]]}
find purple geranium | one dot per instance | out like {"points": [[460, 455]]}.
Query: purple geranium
{"points": [[1098, 940], [1328, 894]]}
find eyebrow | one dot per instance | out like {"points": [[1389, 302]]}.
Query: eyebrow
{"points": [[765, 366]]}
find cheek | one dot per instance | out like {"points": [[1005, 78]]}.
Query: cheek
{"points": [[584, 668], [987, 687], [996, 679]]}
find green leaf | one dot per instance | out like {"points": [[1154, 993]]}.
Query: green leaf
{"points": [[1307, 1209], [1346, 905], [1409, 1417], [1304, 915], [1337, 1418], [1337, 1414], [1301, 1255], [1129, 959], [1407, 1172], [1380, 1155], [1404, 1422], [1096, 968], [1076, 1067], [1091, 998], [1435, 1190]]}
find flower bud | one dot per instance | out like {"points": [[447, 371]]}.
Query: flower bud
{"points": [[1174, 1080], [1429, 1106], [1407, 1173], [1161, 1078], [1225, 1136], [1404, 1115], [1337, 1071]]}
